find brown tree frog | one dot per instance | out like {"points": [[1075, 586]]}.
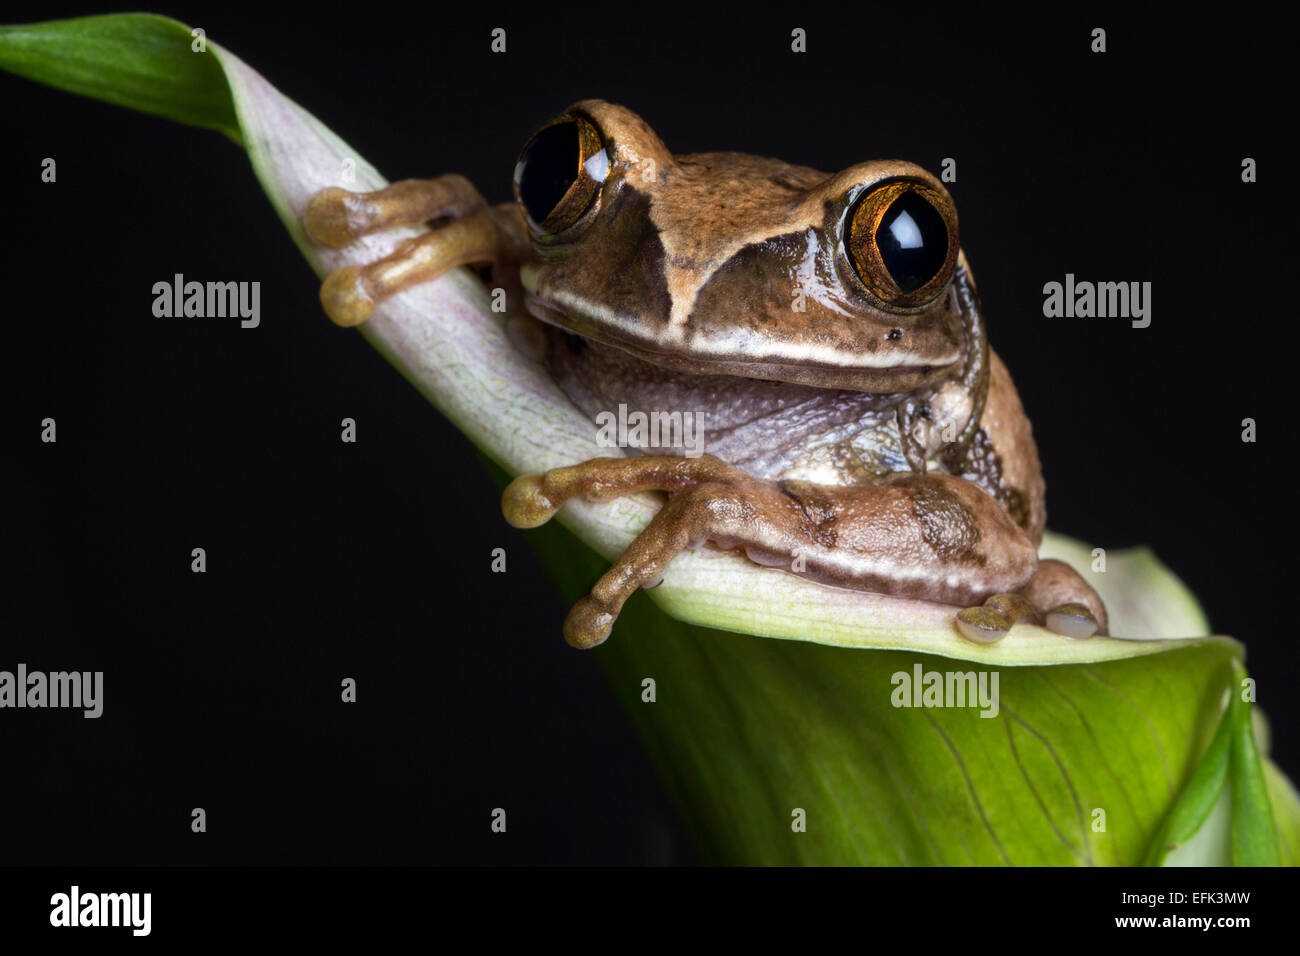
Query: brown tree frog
{"points": [[860, 431]]}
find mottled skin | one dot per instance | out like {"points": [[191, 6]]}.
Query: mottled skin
{"points": [[858, 433]]}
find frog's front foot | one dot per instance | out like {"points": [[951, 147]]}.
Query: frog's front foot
{"points": [[933, 536], [1056, 597], [464, 230], [532, 500]]}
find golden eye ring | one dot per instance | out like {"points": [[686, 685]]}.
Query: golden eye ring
{"points": [[902, 241], [559, 173]]}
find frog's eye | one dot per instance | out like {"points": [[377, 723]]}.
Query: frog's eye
{"points": [[903, 241], [560, 172]]}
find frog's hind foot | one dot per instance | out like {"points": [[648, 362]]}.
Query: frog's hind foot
{"points": [[465, 230], [990, 622], [1072, 620], [1074, 608]]}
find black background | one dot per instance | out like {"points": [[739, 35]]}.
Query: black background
{"points": [[371, 560]]}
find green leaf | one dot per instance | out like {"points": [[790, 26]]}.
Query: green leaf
{"points": [[1284, 800], [1106, 751], [1254, 838], [745, 731], [1197, 829], [1224, 815], [137, 60]]}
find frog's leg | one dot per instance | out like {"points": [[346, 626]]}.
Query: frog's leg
{"points": [[930, 536], [1078, 610], [1074, 608], [465, 230]]}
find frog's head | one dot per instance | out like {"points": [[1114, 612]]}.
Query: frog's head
{"points": [[732, 264]]}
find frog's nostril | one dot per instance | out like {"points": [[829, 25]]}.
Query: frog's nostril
{"points": [[894, 335]]}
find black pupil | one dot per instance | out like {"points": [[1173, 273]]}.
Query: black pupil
{"points": [[913, 241], [547, 168]]}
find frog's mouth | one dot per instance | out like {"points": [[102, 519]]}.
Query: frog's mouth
{"points": [[928, 363]]}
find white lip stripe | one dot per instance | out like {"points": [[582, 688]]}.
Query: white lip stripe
{"points": [[776, 353]]}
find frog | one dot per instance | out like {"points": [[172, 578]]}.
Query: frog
{"points": [[825, 328]]}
